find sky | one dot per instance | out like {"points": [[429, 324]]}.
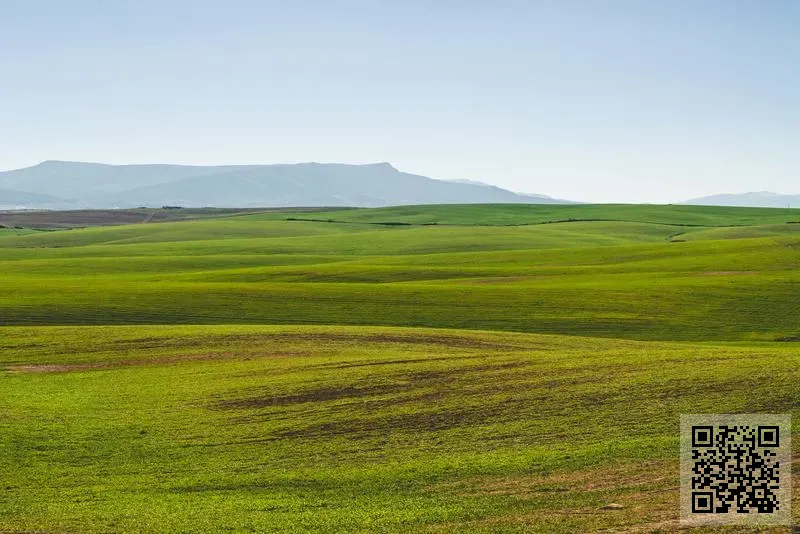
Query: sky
{"points": [[597, 100]]}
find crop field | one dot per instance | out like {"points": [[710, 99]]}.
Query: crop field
{"points": [[476, 368]]}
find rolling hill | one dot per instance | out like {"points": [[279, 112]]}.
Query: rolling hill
{"points": [[612, 271], [449, 368]]}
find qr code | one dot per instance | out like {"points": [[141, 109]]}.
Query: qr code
{"points": [[736, 469]]}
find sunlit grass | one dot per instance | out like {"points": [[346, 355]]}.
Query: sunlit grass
{"points": [[341, 429], [261, 374]]}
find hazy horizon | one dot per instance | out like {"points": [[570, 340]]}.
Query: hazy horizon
{"points": [[618, 101], [155, 163]]}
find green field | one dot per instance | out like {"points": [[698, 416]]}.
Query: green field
{"points": [[423, 368]]}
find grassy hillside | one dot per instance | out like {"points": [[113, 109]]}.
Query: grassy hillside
{"points": [[262, 374], [351, 429], [10, 230], [500, 214], [55, 219], [639, 280], [741, 232]]}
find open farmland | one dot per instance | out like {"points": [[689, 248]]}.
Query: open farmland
{"points": [[631, 278], [424, 368]]}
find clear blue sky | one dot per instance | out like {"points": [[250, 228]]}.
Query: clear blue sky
{"points": [[595, 100]]}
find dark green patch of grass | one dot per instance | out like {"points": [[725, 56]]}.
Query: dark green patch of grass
{"points": [[516, 214]]}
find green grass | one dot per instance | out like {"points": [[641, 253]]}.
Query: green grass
{"points": [[6, 231], [263, 374], [59, 219], [743, 232], [514, 214], [609, 279], [350, 429]]}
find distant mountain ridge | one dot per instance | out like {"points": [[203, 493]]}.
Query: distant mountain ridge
{"points": [[758, 199], [12, 197], [71, 185]]}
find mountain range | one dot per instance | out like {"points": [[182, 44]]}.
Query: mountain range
{"points": [[79, 185], [760, 199], [73, 185]]}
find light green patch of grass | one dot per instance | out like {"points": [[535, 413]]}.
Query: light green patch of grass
{"points": [[745, 232], [607, 279], [356, 429]]}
